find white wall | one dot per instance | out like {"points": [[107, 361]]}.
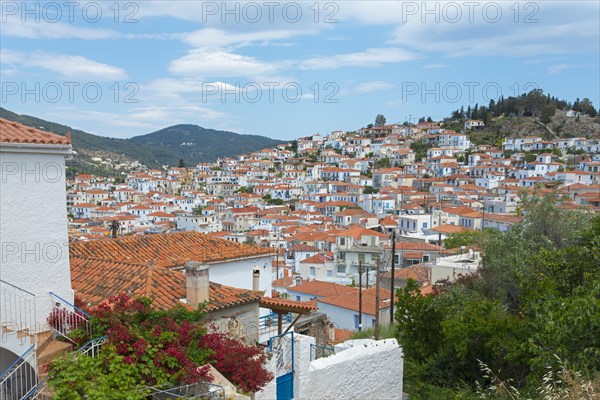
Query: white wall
{"points": [[344, 318], [34, 240], [239, 273], [371, 370]]}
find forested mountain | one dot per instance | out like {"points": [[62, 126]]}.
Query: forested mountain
{"points": [[191, 143]]}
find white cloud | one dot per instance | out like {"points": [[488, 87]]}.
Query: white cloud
{"points": [[135, 121], [67, 66], [369, 58], [220, 63], [209, 37], [30, 29], [375, 86], [436, 66], [559, 26], [558, 68]]}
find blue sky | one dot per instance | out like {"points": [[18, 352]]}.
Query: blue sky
{"points": [[130, 68]]}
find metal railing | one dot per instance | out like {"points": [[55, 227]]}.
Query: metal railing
{"points": [[267, 324], [66, 319], [201, 390], [17, 308], [317, 351], [89, 349], [19, 380], [92, 347]]}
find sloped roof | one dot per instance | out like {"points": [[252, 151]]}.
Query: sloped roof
{"points": [[350, 300], [321, 288], [96, 280], [166, 250], [13, 132], [300, 307], [320, 258]]}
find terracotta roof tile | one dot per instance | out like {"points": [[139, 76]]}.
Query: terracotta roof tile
{"points": [[350, 300], [321, 288], [13, 132], [166, 250], [95, 280], [293, 305]]}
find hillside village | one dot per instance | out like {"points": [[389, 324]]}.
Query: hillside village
{"points": [[328, 205], [296, 238]]}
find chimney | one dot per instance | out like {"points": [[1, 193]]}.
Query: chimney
{"points": [[297, 280], [196, 283], [256, 279]]}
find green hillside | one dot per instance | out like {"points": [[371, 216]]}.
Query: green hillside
{"points": [[191, 143]]}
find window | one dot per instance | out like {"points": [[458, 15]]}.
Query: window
{"points": [[329, 273], [342, 241], [356, 321], [341, 269], [424, 225], [298, 298], [312, 271]]}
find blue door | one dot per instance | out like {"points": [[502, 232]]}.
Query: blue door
{"points": [[282, 347], [285, 386]]}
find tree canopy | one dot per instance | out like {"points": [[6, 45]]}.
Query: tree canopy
{"points": [[534, 300]]}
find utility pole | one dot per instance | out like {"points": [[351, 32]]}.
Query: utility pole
{"points": [[440, 224], [360, 271], [392, 291], [377, 300], [482, 216]]}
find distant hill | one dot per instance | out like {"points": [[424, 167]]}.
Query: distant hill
{"points": [[191, 143]]}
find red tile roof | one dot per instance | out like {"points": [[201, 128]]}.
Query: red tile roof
{"points": [[166, 250], [13, 132], [341, 335], [320, 258], [350, 300], [292, 305], [95, 280], [321, 288]]}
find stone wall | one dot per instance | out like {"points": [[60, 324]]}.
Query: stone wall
{"points": [[241, 322]]}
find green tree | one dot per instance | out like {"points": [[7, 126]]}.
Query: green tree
{"points": [[465, 238], [535, 297], [384, 162], [370, 190], [547, 113], [197, 210], [380, 120]]}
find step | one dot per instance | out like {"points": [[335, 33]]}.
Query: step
{"points": [[53, 349], [43, 339]]}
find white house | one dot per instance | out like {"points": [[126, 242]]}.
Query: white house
{"points": [[344, 312], [35, 251]]}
